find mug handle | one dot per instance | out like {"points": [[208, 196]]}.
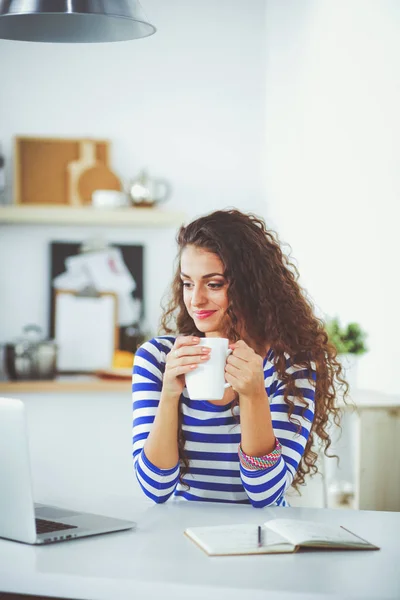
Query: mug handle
{"points": [[229, 351]]}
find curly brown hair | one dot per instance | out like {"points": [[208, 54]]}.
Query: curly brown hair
{"points": [[264, 293]]}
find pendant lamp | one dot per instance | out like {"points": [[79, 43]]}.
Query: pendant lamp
{"points": [[73, 21]]}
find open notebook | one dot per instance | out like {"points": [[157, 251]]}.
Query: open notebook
{"points": [[275, 536]]}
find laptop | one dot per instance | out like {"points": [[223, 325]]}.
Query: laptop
{"points": [[20, 519]]}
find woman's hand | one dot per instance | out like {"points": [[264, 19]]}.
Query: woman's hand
{"points": [[244, 371], [184, 356]]}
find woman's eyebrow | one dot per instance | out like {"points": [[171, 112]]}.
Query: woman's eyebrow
{"points": [[205, 276]]}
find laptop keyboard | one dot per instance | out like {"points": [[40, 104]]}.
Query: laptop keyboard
{"points": [[44, 526]]}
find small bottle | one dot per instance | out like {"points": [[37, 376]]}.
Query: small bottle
{"points": [[2, 178]]}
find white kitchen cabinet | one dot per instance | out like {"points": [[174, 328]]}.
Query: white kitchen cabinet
{"points": [[378, 464], [85, 423], [368, 475]]}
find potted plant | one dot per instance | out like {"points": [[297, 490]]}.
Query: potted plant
{"points": [[350, 343]]}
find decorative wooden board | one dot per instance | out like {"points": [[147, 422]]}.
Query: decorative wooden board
{"points": [[87, 158], [40, 173], [97, 177], [88, 174]]}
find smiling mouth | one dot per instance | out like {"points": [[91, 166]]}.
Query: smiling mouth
{"points": [[204, 314]]}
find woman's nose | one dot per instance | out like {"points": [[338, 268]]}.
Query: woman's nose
{"points": [[198, 297]]}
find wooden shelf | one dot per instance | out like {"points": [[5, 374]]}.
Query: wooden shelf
{"points": [[88, 215], [66, 385]]}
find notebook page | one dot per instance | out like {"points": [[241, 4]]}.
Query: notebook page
{"points": [[301, 532], [237, 539]]}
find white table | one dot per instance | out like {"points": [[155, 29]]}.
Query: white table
{"points": [[158, 561]]}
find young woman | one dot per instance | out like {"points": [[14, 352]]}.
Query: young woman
{"points": [[233, 281]]}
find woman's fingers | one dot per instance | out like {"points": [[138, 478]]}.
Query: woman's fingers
{"points": [[187, 346], [183, 369], [236, 361], [242, 351], [185, 340], [188, 360], [191, 351], [185, 355]]}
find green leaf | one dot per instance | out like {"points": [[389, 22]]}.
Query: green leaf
{"points": [[347, 340]]}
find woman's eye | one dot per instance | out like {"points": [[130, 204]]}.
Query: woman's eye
{"points": [[212, 286], [215, 286]]}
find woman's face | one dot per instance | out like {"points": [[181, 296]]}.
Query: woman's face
{"points": [[205, 290]]}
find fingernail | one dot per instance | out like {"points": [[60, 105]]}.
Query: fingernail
{"points": [[195, 340], [206, 357], [205, 349]]}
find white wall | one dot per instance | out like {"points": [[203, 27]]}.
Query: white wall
{"points": [[316, 83], [286, 108], [332, 168], [188, 103]]}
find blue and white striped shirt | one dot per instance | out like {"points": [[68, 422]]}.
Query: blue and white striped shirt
{"points": [[212, 437]]}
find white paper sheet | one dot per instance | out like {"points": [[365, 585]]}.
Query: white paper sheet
{"points": [[84, 332]]}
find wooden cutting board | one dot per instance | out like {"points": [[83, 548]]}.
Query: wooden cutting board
{"points": [[86, 175], [96, 177], [77, 167]]}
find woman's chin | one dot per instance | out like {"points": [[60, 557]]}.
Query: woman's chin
{"points": [[204, 327], [210, 330]]}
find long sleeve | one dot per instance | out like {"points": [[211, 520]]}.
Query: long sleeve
{"points": [[266, 487], [157, 484], [212, 435]]}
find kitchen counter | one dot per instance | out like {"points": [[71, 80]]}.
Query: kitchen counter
{"points": [[67, 384], [85, 424], [91, 383]]}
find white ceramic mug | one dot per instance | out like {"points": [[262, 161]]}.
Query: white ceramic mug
{"points": [[207, 382]]}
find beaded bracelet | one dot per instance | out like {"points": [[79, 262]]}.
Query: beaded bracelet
{"points": [[260, 462]]}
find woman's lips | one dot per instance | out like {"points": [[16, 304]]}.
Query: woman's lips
{"points": [[203, 314]]}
